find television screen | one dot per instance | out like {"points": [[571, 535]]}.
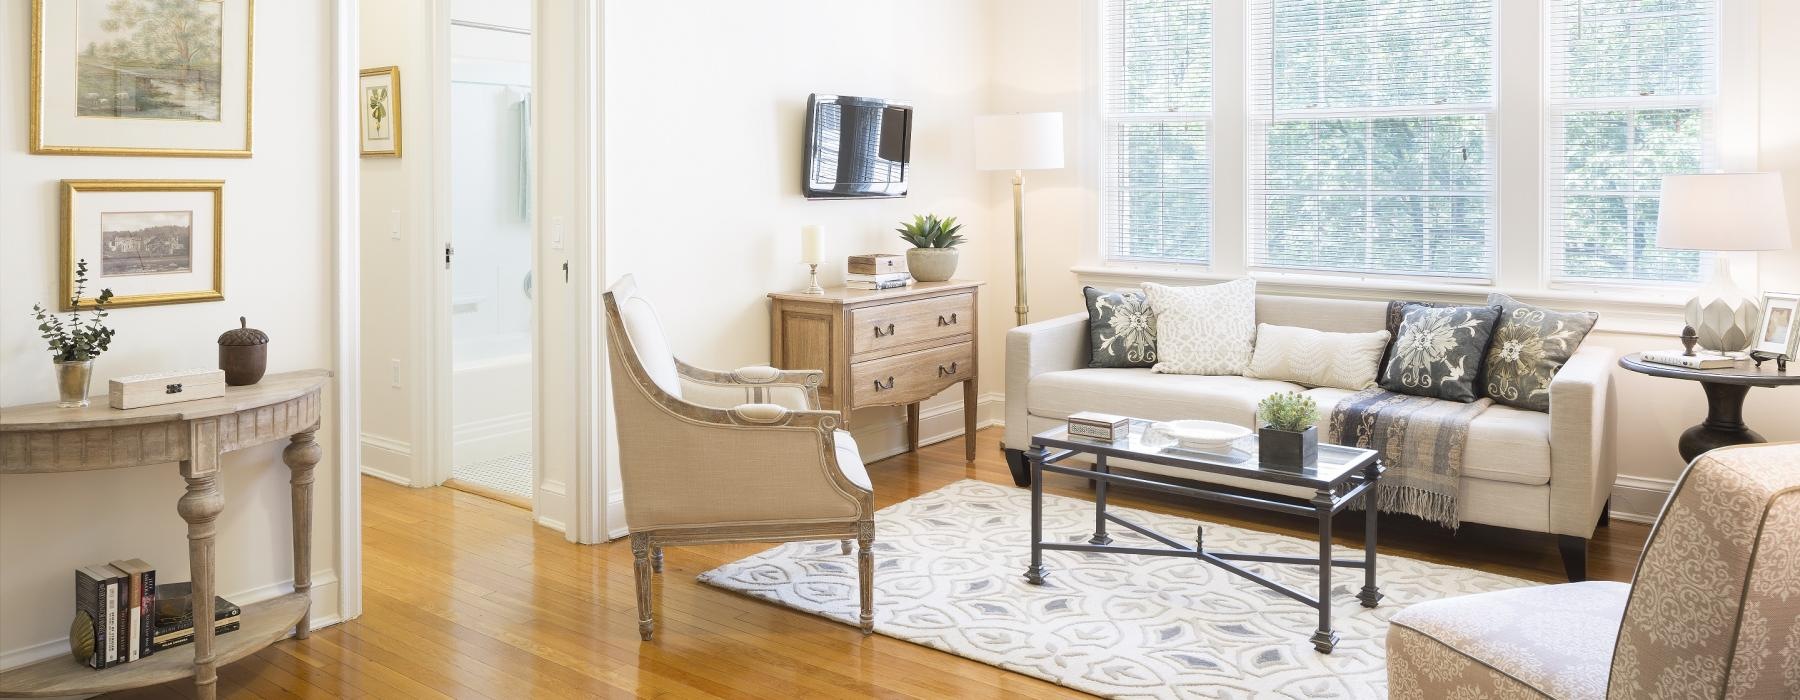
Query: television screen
{"points": [[856, 147]]}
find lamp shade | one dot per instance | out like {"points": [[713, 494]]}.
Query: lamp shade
{"points": [[1027, 141], [1723, 211]]}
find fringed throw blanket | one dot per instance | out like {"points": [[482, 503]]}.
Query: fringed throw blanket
{"points": [[1421, 442]]}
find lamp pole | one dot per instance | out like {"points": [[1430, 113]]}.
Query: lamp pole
{"points": [[1022, 309]]}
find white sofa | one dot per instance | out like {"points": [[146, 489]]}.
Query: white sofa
{"points": [[1525, 470]]}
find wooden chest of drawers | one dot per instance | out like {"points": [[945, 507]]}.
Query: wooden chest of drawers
{"points": [[895, 347]]}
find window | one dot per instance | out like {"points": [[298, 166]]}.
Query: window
{"points": [[1156, 182], [1631, 96], [1370, 136]]}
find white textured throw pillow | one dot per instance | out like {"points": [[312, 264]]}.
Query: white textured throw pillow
{"points": [[1317, 358], [1203, 330]]}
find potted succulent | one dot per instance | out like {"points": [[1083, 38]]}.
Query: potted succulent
{"points": [[75, 342], [1289, 436], [933, 255]]}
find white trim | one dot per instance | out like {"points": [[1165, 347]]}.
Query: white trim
{"points": [[347, 312], [392, 461], [592, 512], [881, 440], [386, 476], [432, 411], [1639, 499]]}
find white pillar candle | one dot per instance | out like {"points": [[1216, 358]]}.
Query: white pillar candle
{"points": [[812, 244]]}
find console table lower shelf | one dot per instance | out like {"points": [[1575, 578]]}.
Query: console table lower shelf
{"points": [[262, 624]]}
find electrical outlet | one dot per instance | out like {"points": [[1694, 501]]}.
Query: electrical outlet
{"points": [[556, 233], [394, 373], [396, 222]]}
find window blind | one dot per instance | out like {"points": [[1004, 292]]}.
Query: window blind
{"points": [[1371, 136], [1156, 181], [1632, 89]]}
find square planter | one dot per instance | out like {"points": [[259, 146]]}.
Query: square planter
{"points": [[1283, 448]]}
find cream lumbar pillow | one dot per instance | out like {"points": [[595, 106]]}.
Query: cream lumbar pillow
{"points": [[1209, 329], [1316, 358]]}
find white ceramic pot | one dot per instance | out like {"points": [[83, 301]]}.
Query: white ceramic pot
{"points": [[931, 264]]}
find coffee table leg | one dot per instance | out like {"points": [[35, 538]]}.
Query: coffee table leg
{"points": [[1100, 504], [1370, 595], [1036, 573], [1324, 639]]}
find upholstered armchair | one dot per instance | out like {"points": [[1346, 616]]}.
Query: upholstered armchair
{"points": [[740, 456], [1713, 610]]}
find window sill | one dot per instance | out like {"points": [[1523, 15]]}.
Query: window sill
{"points": [[1654, 311]]}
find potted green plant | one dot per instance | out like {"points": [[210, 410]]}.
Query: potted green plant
{"points": [[1289, 436], [76, 341], [933, 255]]}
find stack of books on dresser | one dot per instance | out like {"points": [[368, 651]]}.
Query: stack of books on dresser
{"points": [[130, 617], [877, 271]]}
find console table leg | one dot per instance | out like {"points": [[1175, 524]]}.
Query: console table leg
{"points": [[301, 454], [200, 507]]}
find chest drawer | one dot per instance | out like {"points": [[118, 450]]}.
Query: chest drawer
{"points": [[874, 329], [914, 376]]}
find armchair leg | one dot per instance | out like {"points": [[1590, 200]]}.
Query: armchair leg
{"points": [[1574, 556], [846, 545], [640, 552], [656, 559], [1021, 471], [865, 573]]}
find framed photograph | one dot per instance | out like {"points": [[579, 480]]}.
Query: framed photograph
{"points": [[149, 241], [1779, 332], [379, 104], [141, 77]]}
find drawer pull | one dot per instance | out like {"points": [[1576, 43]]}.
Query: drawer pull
{"points": [[172, 388], [885, 387], [947, 371], [881, 334], [942, 322]]}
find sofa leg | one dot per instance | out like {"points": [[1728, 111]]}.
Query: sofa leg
{"points": [[1021, 471], [1574, 556], [1606, 513]]}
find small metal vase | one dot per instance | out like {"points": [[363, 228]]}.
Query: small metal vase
{"points": [[73, 378]]}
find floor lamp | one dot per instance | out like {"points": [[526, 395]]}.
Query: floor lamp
{"points": [[1019, 142]]}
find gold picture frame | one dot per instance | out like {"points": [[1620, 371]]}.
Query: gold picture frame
{"points": [[119, 135], [378, 123], [146, 277]]}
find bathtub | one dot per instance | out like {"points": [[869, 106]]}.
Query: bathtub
{"points": [[490, 397]]}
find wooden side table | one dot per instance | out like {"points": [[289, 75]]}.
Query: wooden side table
{"points": [[42, 438], [893, 347], [1725, 390]]}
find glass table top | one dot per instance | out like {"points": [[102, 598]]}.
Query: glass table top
{"points": [[1336, 463]]}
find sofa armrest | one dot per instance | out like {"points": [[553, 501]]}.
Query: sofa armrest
{"points": [[1046, 346], [1581, 466]]}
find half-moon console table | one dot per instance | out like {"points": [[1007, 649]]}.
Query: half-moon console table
{"points": [[42, 438]]}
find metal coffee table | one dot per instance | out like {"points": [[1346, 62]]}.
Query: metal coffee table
{"points": [[1341, 475]]}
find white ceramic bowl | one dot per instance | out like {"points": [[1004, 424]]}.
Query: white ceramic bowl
{"points": [[1202, 434]]}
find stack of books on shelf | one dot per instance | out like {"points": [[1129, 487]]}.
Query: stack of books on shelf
{"points": [[127, 616], [1701, 359], [876, 271]]}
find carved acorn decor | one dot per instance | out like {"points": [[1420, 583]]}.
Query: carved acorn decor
{"points": [[243, 354]]}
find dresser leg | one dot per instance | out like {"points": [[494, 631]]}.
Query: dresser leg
{"points": [[301, 454], [912, 426], [200, 507], [969, 406]]}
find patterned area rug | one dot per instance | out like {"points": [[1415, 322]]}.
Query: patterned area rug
{"points": [[949, 575]]}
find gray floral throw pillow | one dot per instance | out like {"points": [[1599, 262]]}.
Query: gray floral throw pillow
{"points": [[1438, 351], [1121, 329], [1530, 345]]}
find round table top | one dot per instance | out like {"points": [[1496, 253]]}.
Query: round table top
{"points": [[1744, 372]]}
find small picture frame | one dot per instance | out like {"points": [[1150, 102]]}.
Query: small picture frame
{"points": [[1779, 331], [150, 241], [378, 111]]}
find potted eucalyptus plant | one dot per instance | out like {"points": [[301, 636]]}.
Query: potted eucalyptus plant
{"points": [[1289, 436], [933, 255], [75, 341]]}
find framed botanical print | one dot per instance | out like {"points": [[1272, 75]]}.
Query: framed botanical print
{"points": [[379, 106], [1779, 331], [149, 241], [141, 77]]}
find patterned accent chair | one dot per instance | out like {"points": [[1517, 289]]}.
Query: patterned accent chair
{"points": [[1712, 612], [740, 456]]}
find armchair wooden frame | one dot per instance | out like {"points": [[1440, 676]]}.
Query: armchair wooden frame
{"points": [[635, 390]]}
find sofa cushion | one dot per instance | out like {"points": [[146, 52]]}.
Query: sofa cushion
{"points": [[1206, 329], [1317, 358], [1121, 328], [1530, 344], [1504, 444], [1553, 640], [1142, 394], [1438, 351]]}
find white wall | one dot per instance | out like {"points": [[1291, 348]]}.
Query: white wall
{"points": [[705, 110], [278, 272], [1040, 64]]}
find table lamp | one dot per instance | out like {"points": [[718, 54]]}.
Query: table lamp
{"points": [[1019, 142], [1723, 212], [812, 252]]}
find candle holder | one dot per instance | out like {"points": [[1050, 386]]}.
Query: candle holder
{"points": [[814, 288]]}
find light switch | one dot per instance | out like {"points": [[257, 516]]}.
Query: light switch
{"points": [[396, 221], [556, 233]]}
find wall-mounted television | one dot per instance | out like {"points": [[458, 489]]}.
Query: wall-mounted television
{"points": [[856, 147]]}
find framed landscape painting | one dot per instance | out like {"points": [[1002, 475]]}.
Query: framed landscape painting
{"points": [[378, 104], [149, 241], [141, 77]]}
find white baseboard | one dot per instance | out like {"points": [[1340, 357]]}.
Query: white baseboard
{"points": [[1637, 499], [324, 600], [552, 523], [884, 439], [492, 438], [387, 459]]}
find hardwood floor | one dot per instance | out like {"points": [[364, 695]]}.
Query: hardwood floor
{"points": [[465, 598]]}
